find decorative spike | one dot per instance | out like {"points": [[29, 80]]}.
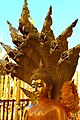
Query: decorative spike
{"points": [[12, 28], [46, 33], [16, 37], [74, 23], [10, 25], [25, 12], [66, 33], [25, 1], [12, 53], [6, 47], [48, 18], [25, 26], [61, 40]]}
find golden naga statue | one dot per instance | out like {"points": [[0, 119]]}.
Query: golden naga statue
{"points": [[45, 63]]}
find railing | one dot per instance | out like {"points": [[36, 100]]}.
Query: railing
{"points": [[8, 108]]}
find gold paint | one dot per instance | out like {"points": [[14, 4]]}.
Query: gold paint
{"points": [[40, 89]]}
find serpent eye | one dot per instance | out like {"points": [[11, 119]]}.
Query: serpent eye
{"points": [[54, 46], [8, 66], [11, 54], [43, 38], [65, 56]]}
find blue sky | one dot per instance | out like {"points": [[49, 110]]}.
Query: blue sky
{"points": [[64, 13]]}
